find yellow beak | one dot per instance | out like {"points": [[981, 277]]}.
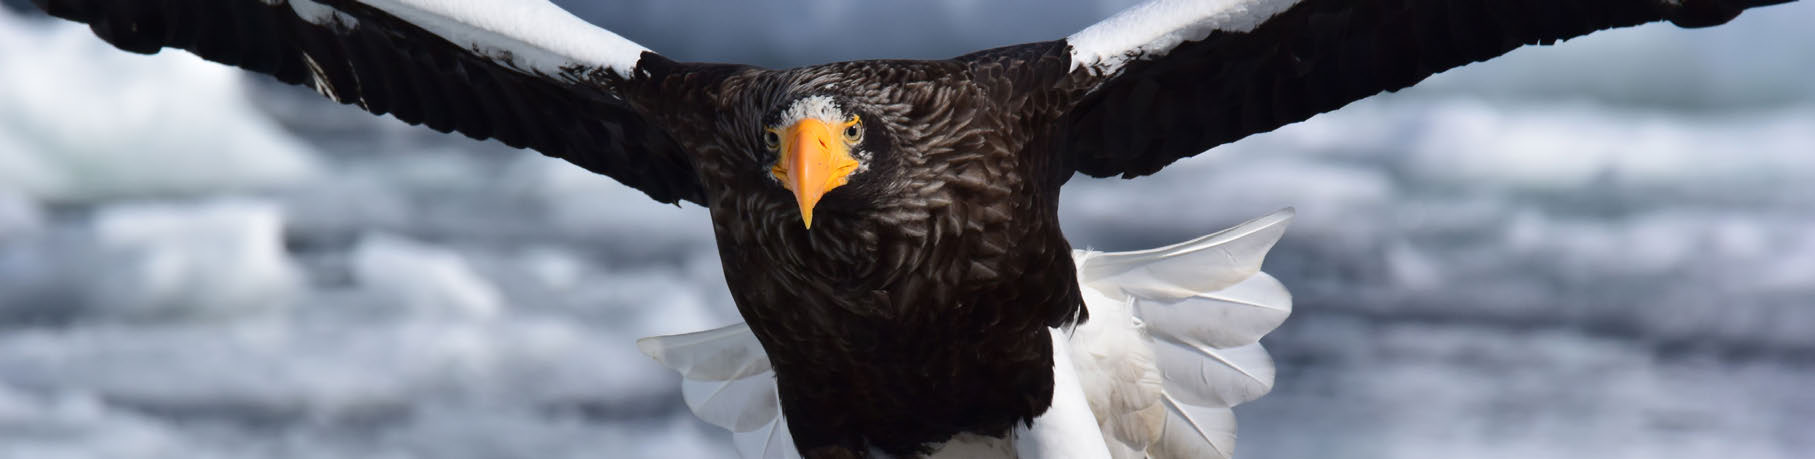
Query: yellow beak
{"points": [[814, 160]]}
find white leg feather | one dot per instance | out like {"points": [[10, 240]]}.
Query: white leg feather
{"points": [[1068, 429]]}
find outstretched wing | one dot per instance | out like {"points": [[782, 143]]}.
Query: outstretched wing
{"points": [[524, 72], [1168, 79]]}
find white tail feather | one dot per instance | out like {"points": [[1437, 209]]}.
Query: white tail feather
{"points": [[1195, 432], [1172, 344], [726, 378], [1177, 271], [738, 405], [1205, 376], [1233, 316], [772, 441], [1197, 311], [728, 352]]}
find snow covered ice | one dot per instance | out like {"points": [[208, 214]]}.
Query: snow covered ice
{"points": [[1603, 249]]}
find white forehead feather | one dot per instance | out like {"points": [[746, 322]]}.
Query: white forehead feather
{"points": [[821, 107]]}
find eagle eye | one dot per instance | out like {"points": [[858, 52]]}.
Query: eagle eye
{"points": [[853, 129], [771, 139]]}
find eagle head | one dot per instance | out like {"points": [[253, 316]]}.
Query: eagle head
{"points": [[818, 145]]}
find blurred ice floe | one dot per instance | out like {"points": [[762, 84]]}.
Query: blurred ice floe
{"points": [[179, 330], [19, 216], [151, 261], [422, 279], [86, 121]]}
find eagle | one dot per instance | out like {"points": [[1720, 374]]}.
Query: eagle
{"points": [[888, 228]]}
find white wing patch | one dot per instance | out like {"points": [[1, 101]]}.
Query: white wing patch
{"points": [[1172, 344], [531, 36], [1155, 27], [320, 14]]}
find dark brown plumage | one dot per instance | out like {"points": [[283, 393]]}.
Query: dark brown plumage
{"points": [[918, 304], [928, 286]]}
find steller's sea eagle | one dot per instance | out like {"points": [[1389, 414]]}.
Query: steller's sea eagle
{"points": [[888, 229]]}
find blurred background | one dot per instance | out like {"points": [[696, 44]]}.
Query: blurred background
{"points": [[1604, 249]]}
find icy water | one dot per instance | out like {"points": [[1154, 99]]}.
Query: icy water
{"points": [[1604, 249]]}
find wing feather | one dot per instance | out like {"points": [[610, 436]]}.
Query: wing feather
{"points": [[532, 36], [523, 72], [1168, 79]]}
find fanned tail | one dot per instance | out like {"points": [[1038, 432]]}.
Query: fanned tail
{"points": [[727, 381], [1188, 316]]}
